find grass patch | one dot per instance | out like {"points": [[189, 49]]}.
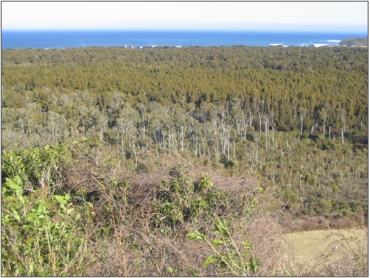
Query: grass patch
{"points": [[330, 252]]}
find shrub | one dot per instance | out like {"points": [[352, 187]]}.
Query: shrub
{"points": [[43, 236], [181, 200], [230, 258], [36, 167]]}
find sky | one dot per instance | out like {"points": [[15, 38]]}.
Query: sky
{"points": [[241, 16]]}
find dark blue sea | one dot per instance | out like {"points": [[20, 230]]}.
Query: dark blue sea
{"points": [[70, 39]]}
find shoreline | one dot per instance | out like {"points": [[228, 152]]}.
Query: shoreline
{"points": [[61, 40], [184, 46]]}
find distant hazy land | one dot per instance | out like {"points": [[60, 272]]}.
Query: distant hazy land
{"points": [[354, 42]]}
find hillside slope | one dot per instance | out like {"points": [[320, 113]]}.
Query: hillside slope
{"points": [[354, 42]]}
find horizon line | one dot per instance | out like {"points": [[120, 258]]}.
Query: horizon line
{"points": [[183, 30]]}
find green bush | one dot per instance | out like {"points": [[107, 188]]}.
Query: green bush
{"points": [[181, 200], [230, 257], [36, 167], [41, 235]]}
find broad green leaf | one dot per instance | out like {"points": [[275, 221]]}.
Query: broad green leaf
{"points": [[221, 225], [288, 273], [31, 216], [30, 272], [246, 245], [30, 240], [70, 210], [191, 236], [210, 260], [193, 272], [199, 235], [217, 242], [15, 183], [16, 215], [60, 199], [42, 208], [22, 199]]}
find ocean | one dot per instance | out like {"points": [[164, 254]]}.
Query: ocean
{"points": [[71, 39]]}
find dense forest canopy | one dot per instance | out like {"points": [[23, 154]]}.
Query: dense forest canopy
{"points": [[290, 114], [114, 158]]}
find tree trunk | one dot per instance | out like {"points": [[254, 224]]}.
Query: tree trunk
{"points": [[122, 151], [257, 153], [228, 149], [260, 124], [234, 149], [301, 126], [266, 132], [182, 138], [323, 130], [135, 158]]}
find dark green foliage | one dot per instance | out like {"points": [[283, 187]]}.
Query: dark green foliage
{"points": [[36, 167], [183, 200], [277, 113]]}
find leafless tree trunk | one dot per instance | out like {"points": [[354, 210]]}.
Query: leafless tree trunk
{"points": [[122, 150], [182, 138], [266, 121], [228, 146], [256, 139], [302, 114], [134, 150]]}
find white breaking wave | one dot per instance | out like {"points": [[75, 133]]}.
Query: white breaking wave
{"points": [[319, 44]]}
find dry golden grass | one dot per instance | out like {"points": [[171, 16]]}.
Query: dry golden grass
{"points": [[330, 252]]}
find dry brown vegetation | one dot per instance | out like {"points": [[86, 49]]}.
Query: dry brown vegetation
{"points": [[139, 246], [322, 223], [342, 252], [143, 216]]}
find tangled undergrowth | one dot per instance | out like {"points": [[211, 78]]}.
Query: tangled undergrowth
{"points": [[85, 210]]}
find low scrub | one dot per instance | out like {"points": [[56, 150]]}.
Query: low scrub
{"points": [[94, 213]]}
